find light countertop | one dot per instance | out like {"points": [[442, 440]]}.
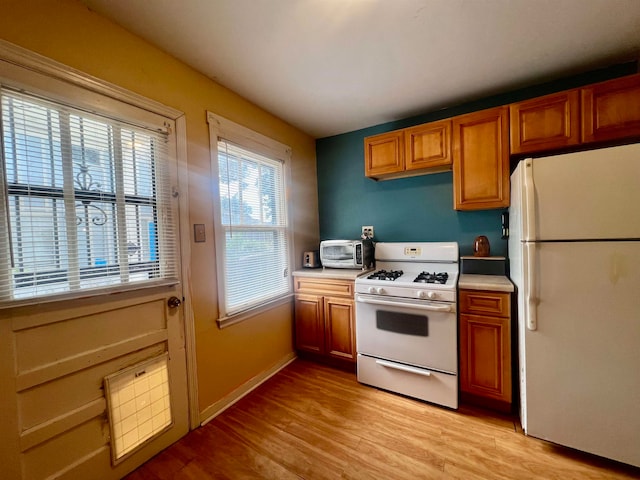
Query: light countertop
{"points": [[339, 273], [498, 283]]}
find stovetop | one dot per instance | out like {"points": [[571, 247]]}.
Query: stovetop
{"points": [[422, 277], [422, 270]]}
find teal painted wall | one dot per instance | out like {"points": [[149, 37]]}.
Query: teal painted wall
{"points": [[417, 208]]}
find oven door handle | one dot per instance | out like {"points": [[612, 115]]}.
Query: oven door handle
{"points": [[395, 303], [404, 368]]}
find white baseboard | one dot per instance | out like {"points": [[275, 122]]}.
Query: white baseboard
{"points": [[221, 405]]}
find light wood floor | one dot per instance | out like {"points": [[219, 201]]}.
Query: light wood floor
{"points": [[314, 422]]}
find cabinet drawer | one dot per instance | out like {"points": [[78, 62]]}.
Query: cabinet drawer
{"points": [[323, 287], [485, 303]]}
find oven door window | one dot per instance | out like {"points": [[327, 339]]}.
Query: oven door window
{"points": [[405, 323]]}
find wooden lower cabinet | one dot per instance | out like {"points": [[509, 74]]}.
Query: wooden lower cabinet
{"points": [[309, 323], [485, 348], [325, 325]]}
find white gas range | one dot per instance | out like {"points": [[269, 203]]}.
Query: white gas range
{"points": [[406, 322]]}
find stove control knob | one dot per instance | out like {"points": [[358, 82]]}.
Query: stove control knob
{"points": [[372, 290], [422, 294], [380, 291], [431, 295]]}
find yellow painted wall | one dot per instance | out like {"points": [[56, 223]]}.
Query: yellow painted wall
{"points": [[68, 32]]}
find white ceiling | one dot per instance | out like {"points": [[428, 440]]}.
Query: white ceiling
{"points": [[333, 66]]}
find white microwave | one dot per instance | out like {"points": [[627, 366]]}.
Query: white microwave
{"points": [[347, 254]]}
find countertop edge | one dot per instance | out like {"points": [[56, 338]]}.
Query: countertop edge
{"points": [[498, 283], [336, 273]]}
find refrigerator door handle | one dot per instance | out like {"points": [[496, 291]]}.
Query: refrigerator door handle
{"points": [[531, 301], [529, 212]]}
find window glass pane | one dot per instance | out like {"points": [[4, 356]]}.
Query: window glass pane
{"points": [[141, 238], [96, 234], [256, 262], [268, 197], [137, 159], [38, 235], [84, 199], [91, 155], [229, 189], [31, 143], [250, 188], [253, 217]]}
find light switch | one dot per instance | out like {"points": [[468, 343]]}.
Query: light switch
{"points": [[198, 232]]}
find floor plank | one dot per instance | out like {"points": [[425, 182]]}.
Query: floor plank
{"points": [[312, 422]]}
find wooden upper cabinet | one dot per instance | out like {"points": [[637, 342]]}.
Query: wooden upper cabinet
{"points": [[384, 154], [611, 110], [545, 123], [428, 146], [481, 160]]}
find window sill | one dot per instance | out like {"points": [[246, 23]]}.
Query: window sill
{"points": [[88, 293], [225, 322]]}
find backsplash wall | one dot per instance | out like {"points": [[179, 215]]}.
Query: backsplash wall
{"points": [[417, 208]]}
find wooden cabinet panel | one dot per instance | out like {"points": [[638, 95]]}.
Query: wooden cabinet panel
{"points": [[325, 319], [481, 160], [384, 154], [323, 287], [428, 146], [545, 123], [340, 338], [486, 352], [309, 323], [485, 303], [611, 110], [485, 348]]}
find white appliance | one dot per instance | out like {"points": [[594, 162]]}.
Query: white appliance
{"points": [[406, 322], [574, 251]]}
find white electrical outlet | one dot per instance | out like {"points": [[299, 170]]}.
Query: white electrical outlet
{"points": [[367, 231]]}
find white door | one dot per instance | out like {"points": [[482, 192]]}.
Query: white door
{"points": [[75, 183], [585, 195], [581, 363]]}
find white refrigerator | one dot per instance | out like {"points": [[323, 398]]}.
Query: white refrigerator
{"points": [[574, 250]]}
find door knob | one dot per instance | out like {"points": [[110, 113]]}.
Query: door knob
{"points": [[174, 302]]}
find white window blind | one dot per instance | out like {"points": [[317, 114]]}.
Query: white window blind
{"points": [[254, 225], [86, 201]]}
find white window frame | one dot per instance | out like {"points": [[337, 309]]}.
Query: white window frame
{"points": [[220, 127], [21, 69]]}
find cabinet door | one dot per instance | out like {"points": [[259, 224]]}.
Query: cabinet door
{"points": [[611, 110], [339, 328], [545, 123], [481, 160], [485, 356], [428, 146], [309, 323], [384, 154]]}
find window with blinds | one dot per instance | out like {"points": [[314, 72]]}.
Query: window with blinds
{"points": [[86, 201], [254, 224]]}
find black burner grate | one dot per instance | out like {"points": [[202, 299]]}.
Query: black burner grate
{"points": [[426, 277]]}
